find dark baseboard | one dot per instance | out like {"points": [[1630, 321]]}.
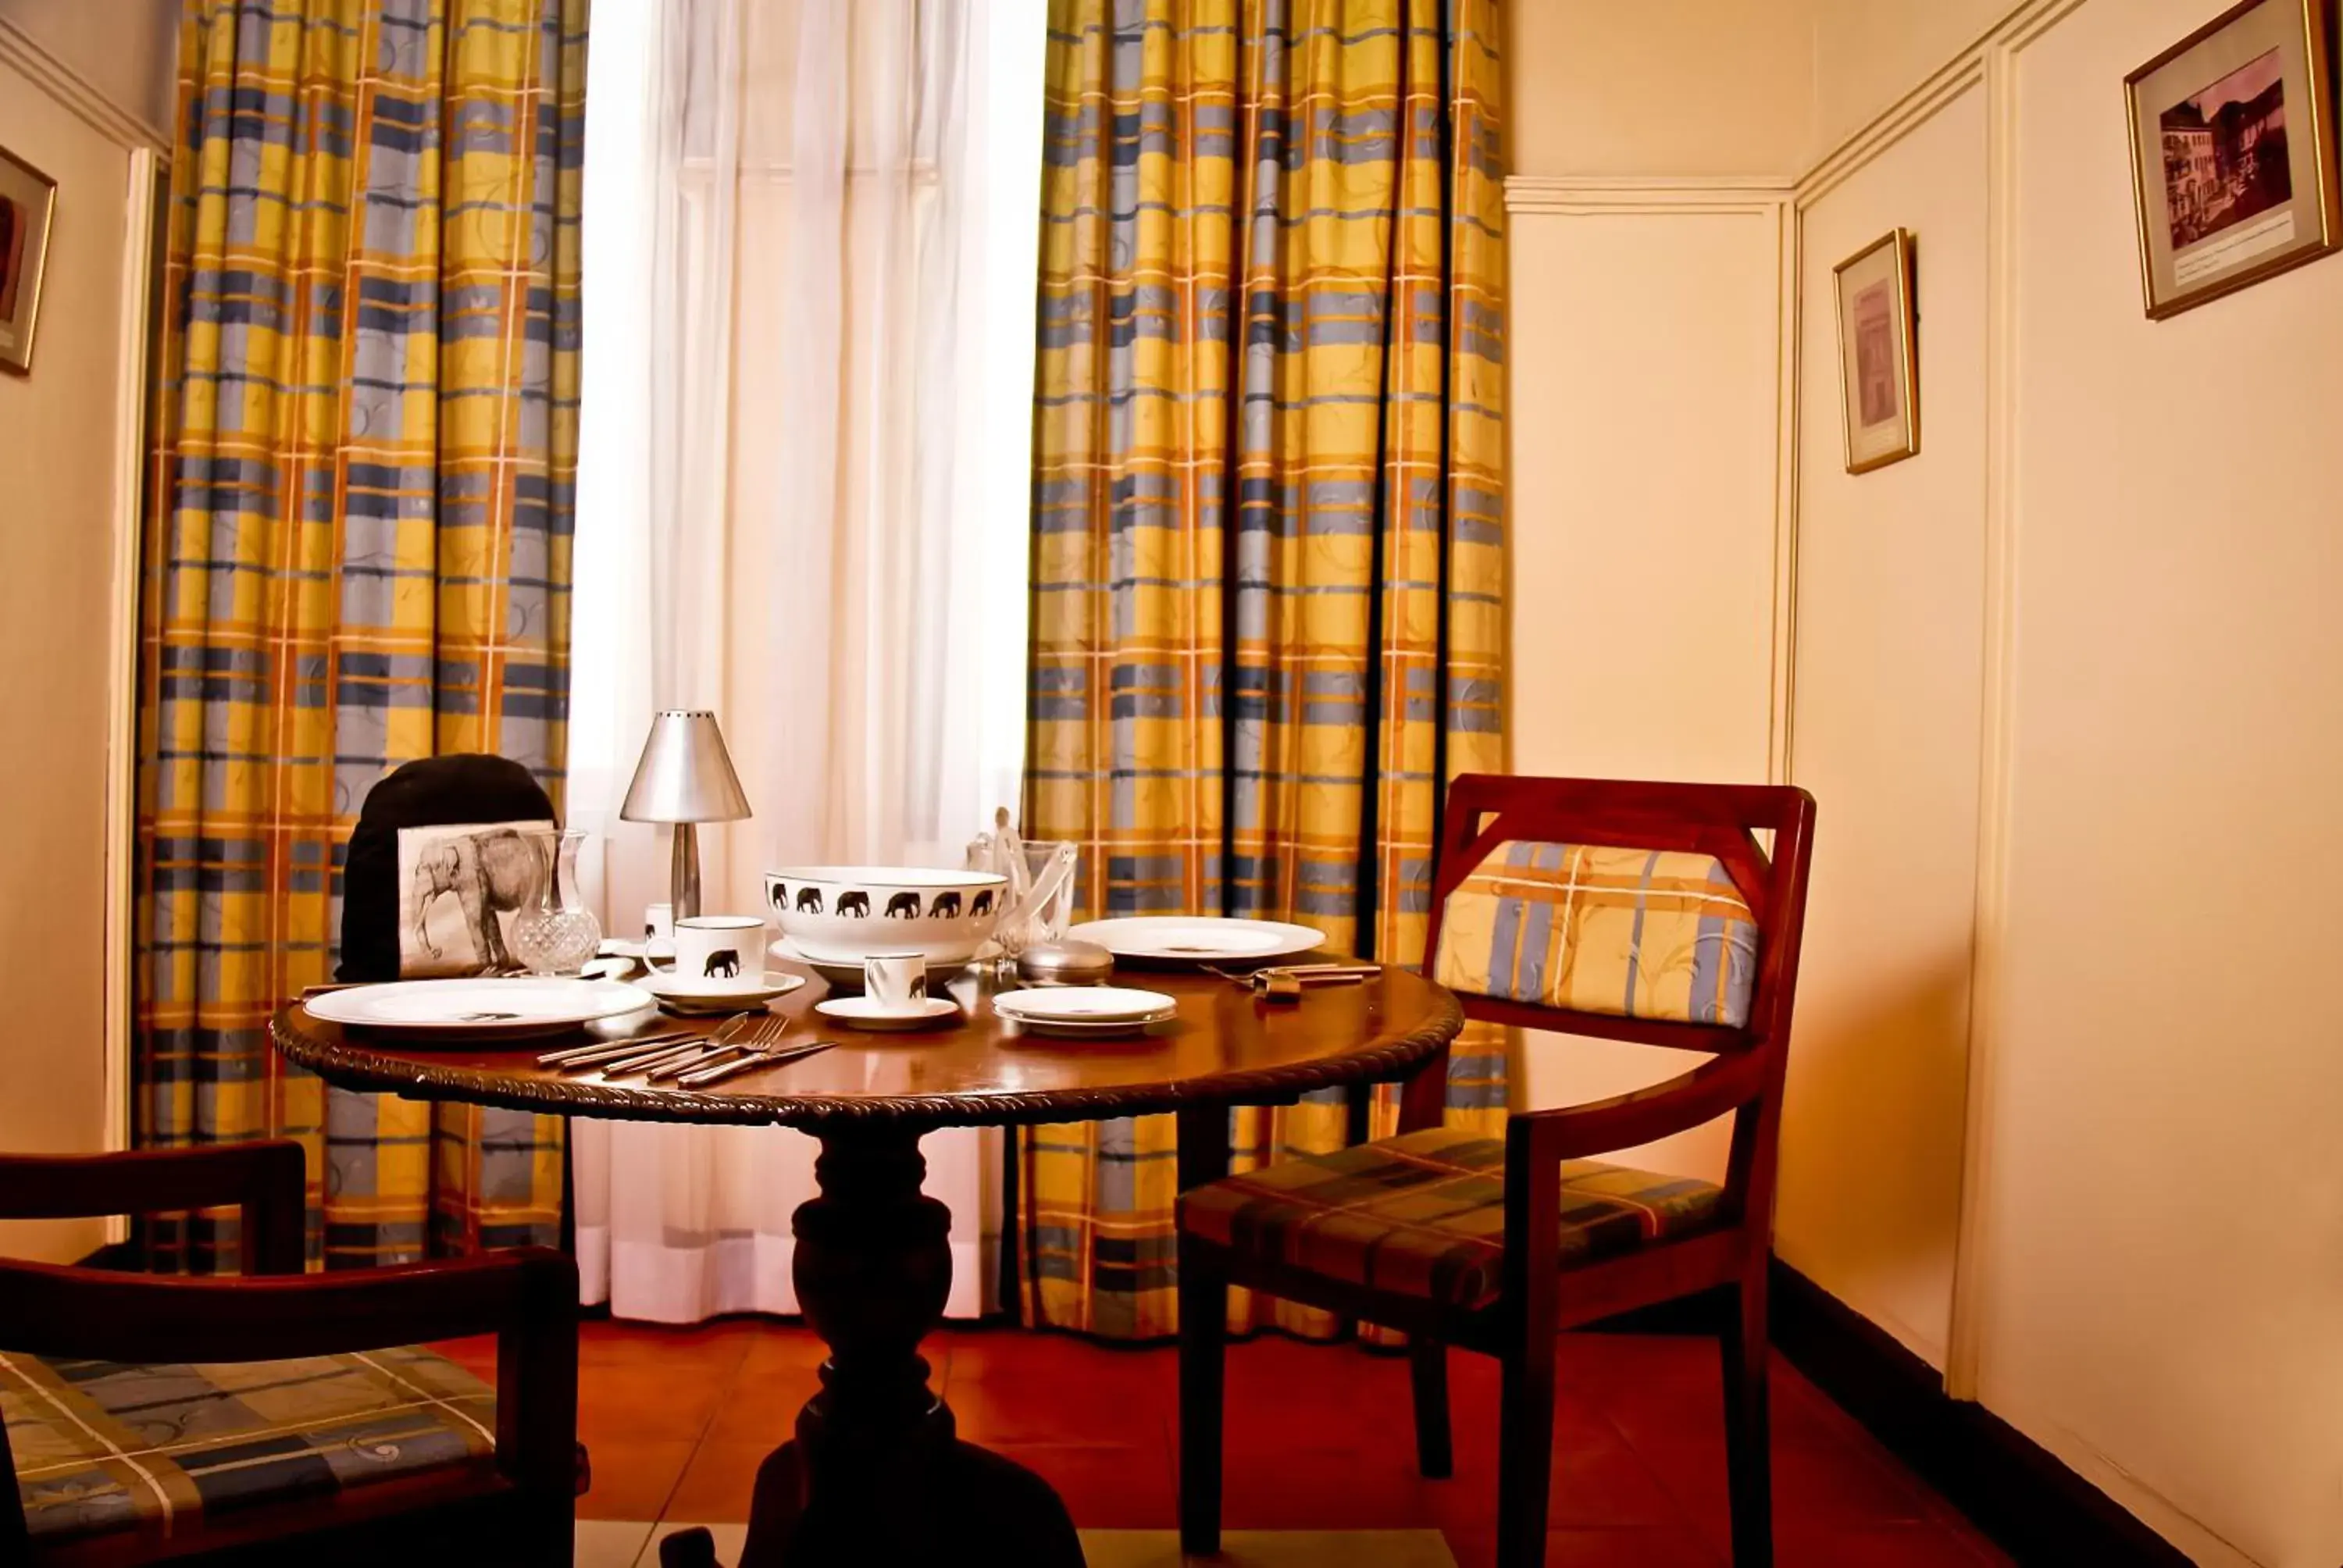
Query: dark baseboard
{"points": [[2011, 1487]]}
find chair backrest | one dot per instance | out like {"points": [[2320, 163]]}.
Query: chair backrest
{"points": [[1646, 912], [432, 792]]}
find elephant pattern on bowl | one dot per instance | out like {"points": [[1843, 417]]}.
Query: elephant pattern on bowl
{"points": [[946, 907], [809, 900], [982, 904], [854, 904], [903, 907]]}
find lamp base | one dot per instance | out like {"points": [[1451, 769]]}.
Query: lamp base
{"points": [[683, 879]]}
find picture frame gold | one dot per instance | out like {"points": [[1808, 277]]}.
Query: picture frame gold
{"points": [[1878, 353], [28, 209], [2215, 212]]}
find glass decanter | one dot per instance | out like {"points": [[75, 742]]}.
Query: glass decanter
{"points": [[558, 933]]}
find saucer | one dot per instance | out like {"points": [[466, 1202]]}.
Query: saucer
{"points": [[861, 1013], [681, 994]]}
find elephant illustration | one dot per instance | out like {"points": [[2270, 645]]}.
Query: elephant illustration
{"points": [[982, 903], [855, 903], [490, 873], [780, 895], [724, 963], [946, 905], [809, 900], [903, 907]]}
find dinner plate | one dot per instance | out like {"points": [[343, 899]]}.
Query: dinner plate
{"points": [[1199, 939], [1085, 1006], [861, 1013], [680, 993], [471, 1008]]}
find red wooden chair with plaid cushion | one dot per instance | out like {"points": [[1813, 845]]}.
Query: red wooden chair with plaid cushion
{"points": [[279, 1417], [1640, 912]]}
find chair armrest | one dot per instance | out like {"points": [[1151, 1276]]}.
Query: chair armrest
{"points": [[267, 1180], [527, 1297], [1623, 1120]]}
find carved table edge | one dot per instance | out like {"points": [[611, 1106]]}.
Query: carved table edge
{"points": [[420, 1080]]}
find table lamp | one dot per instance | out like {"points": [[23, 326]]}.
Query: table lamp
{"points": [[685, 778]]}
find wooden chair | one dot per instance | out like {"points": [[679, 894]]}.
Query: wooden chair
{"points": [[1586, 907], [276, 1418]]}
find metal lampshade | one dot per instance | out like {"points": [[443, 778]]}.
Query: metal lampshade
{"points": [[685, 777], [685, 774]]}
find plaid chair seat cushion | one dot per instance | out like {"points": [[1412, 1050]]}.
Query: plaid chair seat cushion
{"points": [[1423, 1214], [1634, 933], [103, 1446]]}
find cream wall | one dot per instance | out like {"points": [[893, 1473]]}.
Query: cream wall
{"points": [[65, 513], [126, 50], [2066, 684], [1658, 87], [1650, 456], [1885, 725]]}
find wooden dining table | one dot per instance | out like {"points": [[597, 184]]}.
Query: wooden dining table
{"points": [[875, 1472]]}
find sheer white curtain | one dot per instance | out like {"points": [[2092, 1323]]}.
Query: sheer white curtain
{"points": [[803, 503]]}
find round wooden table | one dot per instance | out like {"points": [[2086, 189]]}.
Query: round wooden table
{"points": [[875, 1472]]}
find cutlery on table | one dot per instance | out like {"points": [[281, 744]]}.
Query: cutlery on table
{"points": [[760, 1035], [659, 1056], [702, 1077], [606, 1049], [1285, 983]]}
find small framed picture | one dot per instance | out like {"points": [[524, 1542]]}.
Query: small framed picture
{"points": [[1878, 351], [2233, 152], [28, 202]]}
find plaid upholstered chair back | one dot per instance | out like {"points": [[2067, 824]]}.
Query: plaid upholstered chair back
{"points": [[1646, 912]]}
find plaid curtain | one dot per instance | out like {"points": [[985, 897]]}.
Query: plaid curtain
{"points": [[1268, 553], [358, 554]]}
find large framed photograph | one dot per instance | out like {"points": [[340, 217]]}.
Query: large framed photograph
{"points": [[28, 203], [2233, 152], [1878, 351]]}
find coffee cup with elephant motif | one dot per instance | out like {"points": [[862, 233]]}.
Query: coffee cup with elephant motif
{"points": [[840, 915], [718, 946]]}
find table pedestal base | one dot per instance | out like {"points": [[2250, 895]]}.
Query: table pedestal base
{"points": [[876, 1473]]}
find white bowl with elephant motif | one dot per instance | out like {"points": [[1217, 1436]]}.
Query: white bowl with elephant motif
{"points": [[842, 914]]}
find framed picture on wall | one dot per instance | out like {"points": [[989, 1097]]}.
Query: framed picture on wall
{"points": [[1878, 352], [2233, 152], [28, 199]]}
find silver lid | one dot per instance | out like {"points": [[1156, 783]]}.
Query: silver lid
{"points": [[1065, 963]]}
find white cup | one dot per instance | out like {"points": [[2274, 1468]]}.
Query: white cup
{"points": [[718, 946], [659, 928], [896, 982]]}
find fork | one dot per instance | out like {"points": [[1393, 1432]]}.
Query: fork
{"points": [[758, 1038], [704, 1076]]}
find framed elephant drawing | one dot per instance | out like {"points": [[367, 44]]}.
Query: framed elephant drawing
{"points": [[459, 888]]}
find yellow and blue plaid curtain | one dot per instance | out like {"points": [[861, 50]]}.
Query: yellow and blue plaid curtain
{"points": [[358, 553], [1269, 548]]}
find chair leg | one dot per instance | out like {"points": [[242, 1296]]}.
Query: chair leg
{"points": [[1427, 1365], [1748, 1447], [1525, 1452], [1203, 1340]]}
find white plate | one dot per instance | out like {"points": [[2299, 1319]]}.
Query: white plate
{"points": [[861, 1013], [1088, 1030], [1090, 1005], [1199, 939], [683, 994], [478, 1007]]}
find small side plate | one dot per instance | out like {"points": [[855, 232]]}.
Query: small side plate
{"points": [[679, 994], [861, 1013]]}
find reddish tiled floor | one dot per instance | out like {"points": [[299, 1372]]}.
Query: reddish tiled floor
{"points": [[1319, 1437]]}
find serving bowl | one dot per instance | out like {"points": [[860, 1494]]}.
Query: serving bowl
{"points": [[843, 914]]}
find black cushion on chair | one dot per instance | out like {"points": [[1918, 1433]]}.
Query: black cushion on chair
{"points": [[468, 787]]}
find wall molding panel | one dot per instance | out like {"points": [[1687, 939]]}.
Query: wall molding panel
{"points": [[73, 90]]}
